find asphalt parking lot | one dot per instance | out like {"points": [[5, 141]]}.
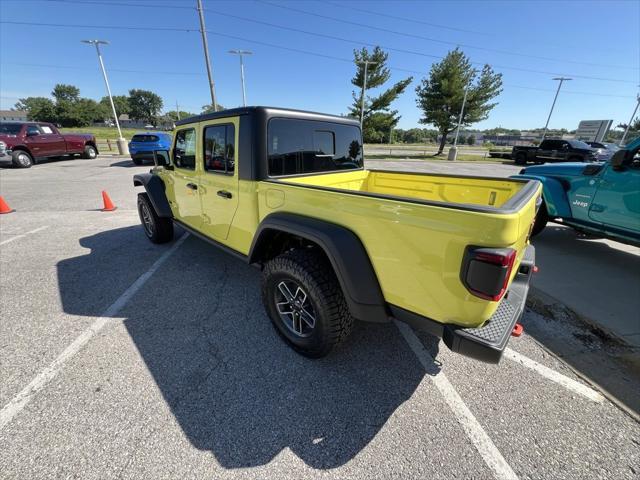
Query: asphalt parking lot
{"points": [[124, 359]]}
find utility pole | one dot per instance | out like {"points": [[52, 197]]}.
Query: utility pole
{"points": [[240, 53], [561, 79], [453, 151], [177, 110], [205, 45], [366, 64], [123, 149], [626, 130]]}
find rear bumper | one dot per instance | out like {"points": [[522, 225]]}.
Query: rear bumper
{"points": [[488, 342], [142, 155]]}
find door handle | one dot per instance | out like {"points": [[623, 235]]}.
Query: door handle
{"points": [[192, 186], [224, 194]]}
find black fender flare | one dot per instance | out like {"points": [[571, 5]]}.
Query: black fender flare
{"points": [[154, 187], [344, 250]]}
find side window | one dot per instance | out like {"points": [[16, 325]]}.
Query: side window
{"points": [[219, 148], [46, 129], [33, 130], [184, 151]]}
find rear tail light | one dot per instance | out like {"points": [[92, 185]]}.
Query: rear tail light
{"points": [[486, 271]]}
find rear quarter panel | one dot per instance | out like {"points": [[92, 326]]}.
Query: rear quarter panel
{"points": [[416, 249], [76, 142]]}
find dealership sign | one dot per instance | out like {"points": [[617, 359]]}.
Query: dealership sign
{"points": [[593, 130]]}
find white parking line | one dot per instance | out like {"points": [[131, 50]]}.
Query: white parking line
{"points": [[24, 234], [17, 403], [554, 376], [485, 446]]}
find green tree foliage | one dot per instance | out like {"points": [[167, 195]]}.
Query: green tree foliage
{"points": [[121, 103], [40, 109], [173, 116], [471, 140], [65, 93], [144, 105], [378, 116], [208, 108], [440, 95]]}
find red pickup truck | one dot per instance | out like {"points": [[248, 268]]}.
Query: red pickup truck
{"points": [[26, 142]]}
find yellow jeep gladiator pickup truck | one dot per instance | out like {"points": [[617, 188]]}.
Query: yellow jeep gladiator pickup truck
{"points": [[287, 191]]}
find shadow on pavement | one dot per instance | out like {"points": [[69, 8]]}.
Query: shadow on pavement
{"points": [[232, 384], [129, 164]]}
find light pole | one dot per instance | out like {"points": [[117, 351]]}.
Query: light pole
{"points": [[122, 144], [366, 64], [240, 53], [561, 79], [626, 130], [453, 151], [205, 45]]}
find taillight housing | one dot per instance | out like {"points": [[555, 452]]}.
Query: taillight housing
{"points": [[486, 271]]}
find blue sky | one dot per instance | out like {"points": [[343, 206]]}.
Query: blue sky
{"points": [[580, 39]]}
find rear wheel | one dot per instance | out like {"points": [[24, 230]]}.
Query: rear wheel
{"points": [[157, 229], [541, 220], [521, 158], [89, 152], [21, 159], [303, 298]]}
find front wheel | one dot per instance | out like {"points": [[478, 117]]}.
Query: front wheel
{"points": [[21, 159], [157, 229], [541, 220], [305, 303], [90, 152]]}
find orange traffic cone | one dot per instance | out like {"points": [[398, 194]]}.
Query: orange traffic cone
{"points": [[108, 204], [4, 208]]}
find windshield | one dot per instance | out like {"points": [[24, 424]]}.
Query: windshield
{"points": [[10, 128], [611, 146], [579, 144]]}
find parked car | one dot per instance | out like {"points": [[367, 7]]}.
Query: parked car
{"points": [[604, 151], [27, 142], [286, 190], [601, 198], [554, 151], [142, 145]]}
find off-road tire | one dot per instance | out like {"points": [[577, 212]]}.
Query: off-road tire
{"points": [[312, 271], [157, 229], [521, 158], [21, 159], [89, 153], [541, 220]]}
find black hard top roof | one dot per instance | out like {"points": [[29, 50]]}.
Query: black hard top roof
{"points": [[272, 111]]}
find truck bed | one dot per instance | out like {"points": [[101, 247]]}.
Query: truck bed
{"points": [[415, 228], [475, 193]]}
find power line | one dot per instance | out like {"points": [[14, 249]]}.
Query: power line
{"points": [[258, 42], [436, 40], [359, 24]]}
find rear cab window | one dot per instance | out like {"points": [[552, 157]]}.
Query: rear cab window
{"points": [[144, 138], [46, 129], [298, 147], [184, 149]]}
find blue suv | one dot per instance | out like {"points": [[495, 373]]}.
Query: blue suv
{"points": [[142, 145]]}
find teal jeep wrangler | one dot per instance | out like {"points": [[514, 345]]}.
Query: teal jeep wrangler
{"points": [[601, 198]]}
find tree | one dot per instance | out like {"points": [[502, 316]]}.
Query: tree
{"points": [[62, 92], [471, 140], [144, 105], [121, 103], [208, 108], [40, 109], [440, 95], [378, 116], [174, 117]]}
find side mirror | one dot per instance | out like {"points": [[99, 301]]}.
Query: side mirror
{"points": [[161, 159], [617, 161]]}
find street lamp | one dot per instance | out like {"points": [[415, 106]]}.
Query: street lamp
{"points": [[561, 79], [453, 151], [240, 53], [366, 64], [122, 145]]}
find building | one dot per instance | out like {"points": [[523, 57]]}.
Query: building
{"points": [[13, 116]]}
